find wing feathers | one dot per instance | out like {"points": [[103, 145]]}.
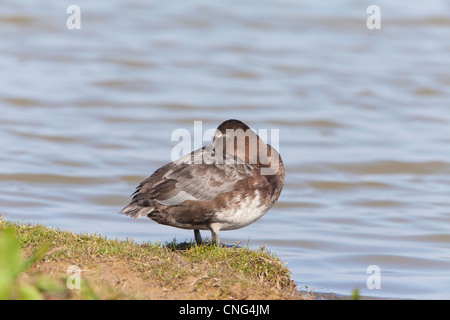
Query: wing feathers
{"points": [[179, 181]]}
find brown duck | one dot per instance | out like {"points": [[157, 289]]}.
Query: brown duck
{"points": [[224, 186]]}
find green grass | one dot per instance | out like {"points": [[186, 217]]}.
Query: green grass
{"points": [[172, 270], [12, 265]]}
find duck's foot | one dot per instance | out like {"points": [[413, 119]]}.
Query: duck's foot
{"points": [[215, 241], [223, 245]]}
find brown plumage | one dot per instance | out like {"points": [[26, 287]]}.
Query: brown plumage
{"points": [[224, 186]]}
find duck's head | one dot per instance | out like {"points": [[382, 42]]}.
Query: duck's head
{"points": [[235, 138]]}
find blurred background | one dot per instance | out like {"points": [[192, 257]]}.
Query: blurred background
{"points": [[364, 120]]}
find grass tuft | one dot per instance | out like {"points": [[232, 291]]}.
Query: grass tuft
{"points": [[114, 269]]}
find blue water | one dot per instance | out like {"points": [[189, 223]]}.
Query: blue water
{"points": [[364, 121]]}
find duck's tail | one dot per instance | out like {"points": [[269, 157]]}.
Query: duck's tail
{"points": [[136, 211]]}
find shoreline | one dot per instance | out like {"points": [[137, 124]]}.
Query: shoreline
{"points": [[100, 268]]}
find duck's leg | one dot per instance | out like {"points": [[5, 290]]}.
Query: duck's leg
{"points": [[215, 234], [198, 237]]}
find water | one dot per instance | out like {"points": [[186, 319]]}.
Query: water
{"points": [[364, 120]]}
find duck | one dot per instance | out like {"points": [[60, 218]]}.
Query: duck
{"points": [[226, 185]]}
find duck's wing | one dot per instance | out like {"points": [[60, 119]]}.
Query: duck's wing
{"points": [[188, 178]]}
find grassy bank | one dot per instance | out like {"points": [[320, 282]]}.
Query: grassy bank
{"points": [[99, 268]]}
